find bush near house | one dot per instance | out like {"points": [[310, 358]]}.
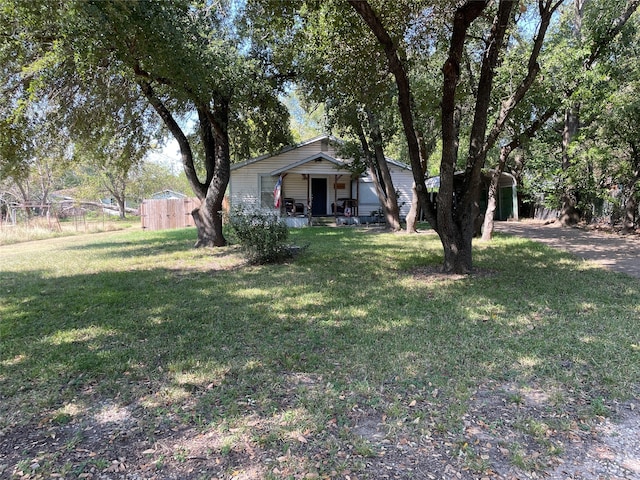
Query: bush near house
{"points": [[262, 235]]}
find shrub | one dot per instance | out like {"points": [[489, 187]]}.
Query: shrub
{"points": [[261, 235]]}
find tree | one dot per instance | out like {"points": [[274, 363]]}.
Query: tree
{"points": [[105, 166], [453, 213], [356, 95], [111, 144], [152, 177], [14, 154], [308, 119], [589, 30], [186, 62], [33, 157], [532, 112], [607, 146]]}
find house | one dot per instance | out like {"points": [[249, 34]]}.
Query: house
{"points": [[166, 194], [313, 181]]}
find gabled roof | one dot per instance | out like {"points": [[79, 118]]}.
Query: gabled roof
{"points": [[397, 163], [339, 163], [288, 148], [312, 158]]}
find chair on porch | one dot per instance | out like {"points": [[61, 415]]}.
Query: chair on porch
{"points": [[292, 207]]}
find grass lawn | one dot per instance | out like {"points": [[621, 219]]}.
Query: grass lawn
{"points": [[130, 352]]}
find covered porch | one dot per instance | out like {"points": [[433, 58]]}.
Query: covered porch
{"points": [[316, 186]]}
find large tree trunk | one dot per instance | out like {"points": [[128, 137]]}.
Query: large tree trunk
{"points": [[492, 203], [630, 212], [458, 199], [215, 140], [208, 220], [215, 137], [121, 207]]}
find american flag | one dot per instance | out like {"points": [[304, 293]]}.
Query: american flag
{"points": [[277, 190]]}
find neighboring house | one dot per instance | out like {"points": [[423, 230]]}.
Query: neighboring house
{"points": [[165, 194], [315, 182]]}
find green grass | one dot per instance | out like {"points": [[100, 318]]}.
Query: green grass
{"points": [[283, 352]]}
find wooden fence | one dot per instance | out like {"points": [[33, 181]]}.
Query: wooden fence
{"points": [[168, 213]]}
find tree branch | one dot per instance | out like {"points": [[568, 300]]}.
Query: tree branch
{"points": [[477, 154], [405, 100], [613, 30], [547, 8], [185, 148]]}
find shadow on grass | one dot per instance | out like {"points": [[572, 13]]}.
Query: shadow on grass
{"points": [[141, 243], [345, 324]]}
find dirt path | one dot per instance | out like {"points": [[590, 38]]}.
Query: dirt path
{"points": [[614, 452], [616, 252]]}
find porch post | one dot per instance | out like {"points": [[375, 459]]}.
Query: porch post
{"points": [[335, 196], [308, 176], [357, 212]]}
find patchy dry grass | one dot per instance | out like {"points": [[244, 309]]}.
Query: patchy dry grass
{"points": [[131, 352], [39, 228]]}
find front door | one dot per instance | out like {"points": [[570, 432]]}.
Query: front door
{"points": [[318, 196]]}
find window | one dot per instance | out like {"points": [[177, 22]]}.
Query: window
{"points": [[267, 184]]}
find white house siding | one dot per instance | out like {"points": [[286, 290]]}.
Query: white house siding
{"points": [[402, 182]]}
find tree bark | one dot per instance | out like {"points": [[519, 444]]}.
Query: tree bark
{"points": [[569, 212], [505, 151], [630, 211], [121, 207], [631, 205], [414, 211], [492, 200], [376, 165], [211, 216]]}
